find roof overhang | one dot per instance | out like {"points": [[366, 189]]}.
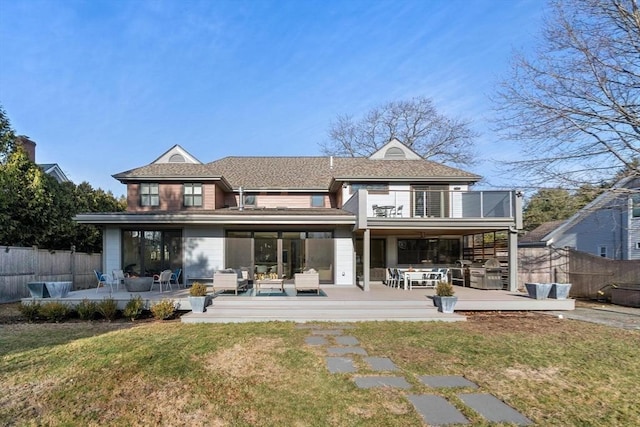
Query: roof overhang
{"points": [[337, 182], [182, 178], [207, 219]]}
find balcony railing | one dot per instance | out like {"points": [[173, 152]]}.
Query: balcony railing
{"points": [[438, 204]]}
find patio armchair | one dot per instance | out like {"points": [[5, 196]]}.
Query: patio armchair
{"points": [[306, 282]]}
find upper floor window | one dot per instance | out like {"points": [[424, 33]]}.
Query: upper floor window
{"points": [[317, 201], [149, 194], [371, 187], [249, 200], [635, 202], [192, 194], [602, 251]]}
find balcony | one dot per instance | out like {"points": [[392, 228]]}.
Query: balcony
{"points": [[454, 206]]}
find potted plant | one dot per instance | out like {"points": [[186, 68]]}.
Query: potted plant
{"points": [[198, 297], [444, 299]]}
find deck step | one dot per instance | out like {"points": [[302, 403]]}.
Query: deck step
{"points": [[258, 310]]}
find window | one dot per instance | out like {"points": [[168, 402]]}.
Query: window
{"points": [[192, 194], [635, 202], [249, 200], [602, 251], [149, 194], [372, 188], [317, 201], [637, 245]]}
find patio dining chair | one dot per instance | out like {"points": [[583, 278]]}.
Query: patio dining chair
{"points": [[175, 276], [162, 279], [118, 278], [391, 280], [399, 277], [103, 280]]}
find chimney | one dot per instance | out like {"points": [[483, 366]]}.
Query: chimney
{"points": [[28, 146]]}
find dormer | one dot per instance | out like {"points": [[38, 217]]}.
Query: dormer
{"points": [[176, 154], [395, 150]]}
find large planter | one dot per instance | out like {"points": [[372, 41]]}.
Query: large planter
{"points": [[559, 290], [138, 284], [538, 290], [198, 304], [58, 289], [38, 290], [445, 304]]}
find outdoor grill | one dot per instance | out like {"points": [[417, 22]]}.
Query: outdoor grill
{"points": [[485, 274]]}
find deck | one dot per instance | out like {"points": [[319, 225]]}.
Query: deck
{"points": [[338, 303]]}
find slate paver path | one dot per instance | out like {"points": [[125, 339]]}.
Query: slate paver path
{"points": [[316, 340], [494, 409], [375, 381], [446, 381], [380, 364], [340, 365], [436, 411], [341, 351], [346, 340]]}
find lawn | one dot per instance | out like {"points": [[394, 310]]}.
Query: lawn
{"points": [[553, 371]]}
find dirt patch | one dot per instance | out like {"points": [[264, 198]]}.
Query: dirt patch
{"points": [[255, 358], [508, 321], [525, 372]]}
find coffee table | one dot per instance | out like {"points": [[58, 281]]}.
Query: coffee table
{"points": [[270, 284]]}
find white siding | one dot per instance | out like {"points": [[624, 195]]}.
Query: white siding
{"points": [[344, 254], [203, 251], [112, 254]]}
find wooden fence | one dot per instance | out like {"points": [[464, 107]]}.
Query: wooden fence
{"points": [[19, 266], [587, 273]]}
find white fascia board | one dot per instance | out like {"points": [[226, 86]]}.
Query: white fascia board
{"points": [[190, 219]]}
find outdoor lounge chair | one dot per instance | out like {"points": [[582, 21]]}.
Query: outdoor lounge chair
{"points": [[307, 281], [175, 276]]}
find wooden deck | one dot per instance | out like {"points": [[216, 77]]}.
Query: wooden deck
{"points": [[341, 303]]}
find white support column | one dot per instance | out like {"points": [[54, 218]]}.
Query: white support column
{"points": [[513, 260], [366, 258]]}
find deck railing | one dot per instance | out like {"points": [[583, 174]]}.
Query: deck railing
{"points": [[440, 204]]}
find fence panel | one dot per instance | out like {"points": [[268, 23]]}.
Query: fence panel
{"points": [[19, 266]]}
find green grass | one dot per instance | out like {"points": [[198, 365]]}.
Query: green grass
{"points": [[555, 372]]}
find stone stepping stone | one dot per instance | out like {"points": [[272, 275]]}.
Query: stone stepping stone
{"points": [[327, 332], [316, 340], [446, 381], [340, 365], [380, 364], [436, 411], [494, 409], [370, 382], [341, 351], [346, 340]]}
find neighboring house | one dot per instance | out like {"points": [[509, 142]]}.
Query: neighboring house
{"points": [[49, 168], [348, 218], [609, 226]]}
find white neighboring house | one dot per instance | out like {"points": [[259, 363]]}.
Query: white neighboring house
{"points": [[52, 169], [609, 226]]}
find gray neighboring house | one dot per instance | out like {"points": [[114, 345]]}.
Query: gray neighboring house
{"points": [[609, 226]]}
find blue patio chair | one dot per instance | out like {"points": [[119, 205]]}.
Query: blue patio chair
{"points": [[175, 276], [103, 280]]}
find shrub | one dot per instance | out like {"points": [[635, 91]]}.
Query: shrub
{"points": [[164, 309], [134, 307], [444, 289], [55, 311], [30, 310], [108, 308], [198, 289], [86, 309]]}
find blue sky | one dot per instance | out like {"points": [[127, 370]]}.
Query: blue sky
{"points": [[107, 86]]}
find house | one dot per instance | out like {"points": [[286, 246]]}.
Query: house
{"points": [[347, 218], [52, 169], [609, 226]]}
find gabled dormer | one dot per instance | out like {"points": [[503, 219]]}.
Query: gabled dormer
{"points": [[176, 154], [395, 150]]}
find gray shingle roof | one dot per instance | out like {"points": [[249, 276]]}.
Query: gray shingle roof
{"points": [[312, 173]]}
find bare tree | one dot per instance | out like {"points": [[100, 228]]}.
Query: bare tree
{"points": [[575, 105], [415, 123]]}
